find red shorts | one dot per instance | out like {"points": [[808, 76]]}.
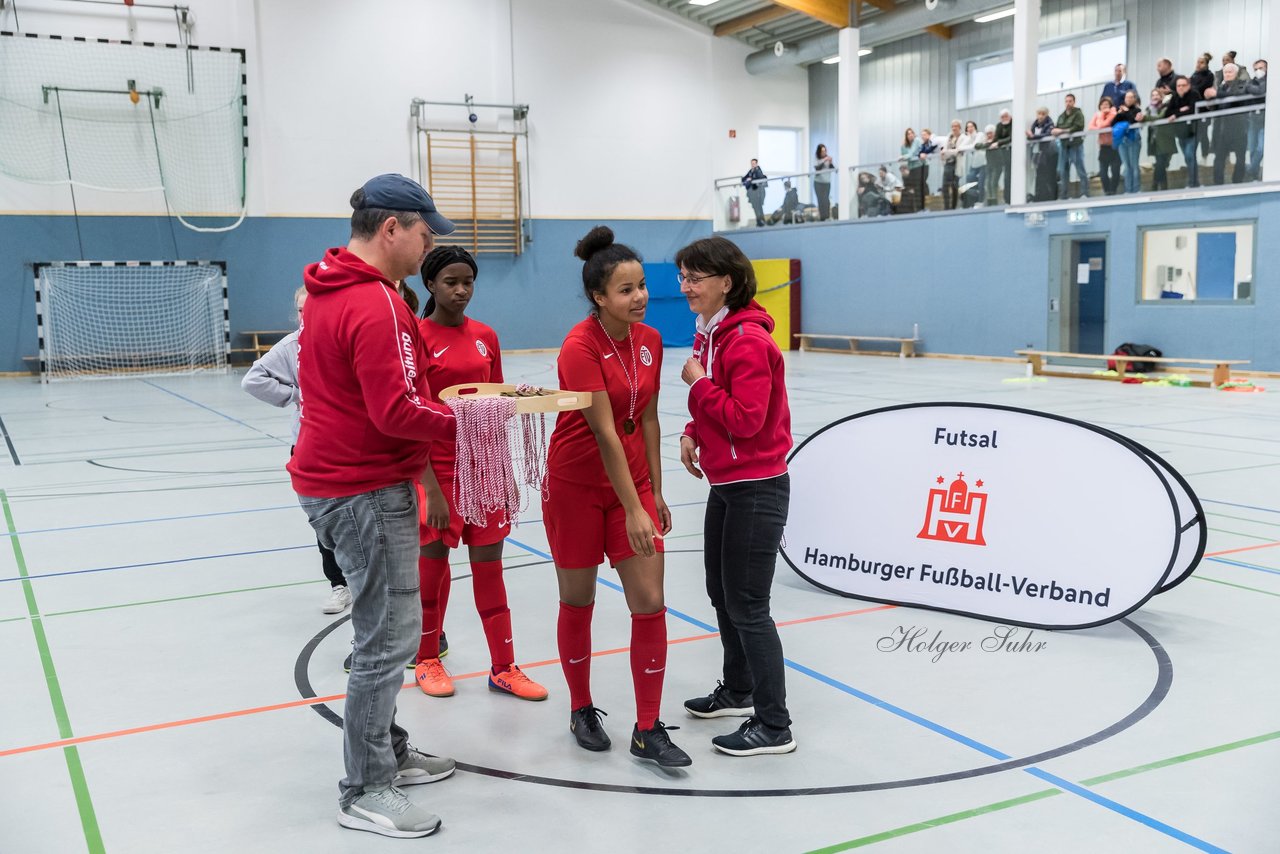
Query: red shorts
{"points": [[494, 530], [586, 524]]}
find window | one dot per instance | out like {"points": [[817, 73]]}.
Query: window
{"points": [[1210, 263], [1077, 60]]}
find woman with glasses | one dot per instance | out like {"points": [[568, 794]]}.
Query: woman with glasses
{"points": [[603, 494], [738, 439]]}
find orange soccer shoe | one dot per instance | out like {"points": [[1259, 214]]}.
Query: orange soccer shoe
{"points": [[513, 681], [433, 679]]}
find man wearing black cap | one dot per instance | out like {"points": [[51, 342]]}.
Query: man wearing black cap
{"points": [[367, 423]]}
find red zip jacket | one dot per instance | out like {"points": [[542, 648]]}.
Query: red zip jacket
{"points": [[367, 415], [741, 418]]}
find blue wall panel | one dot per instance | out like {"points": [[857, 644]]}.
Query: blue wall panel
{"points": [[531, 300], [977, 282]]}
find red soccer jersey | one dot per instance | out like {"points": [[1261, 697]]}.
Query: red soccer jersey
{"points": [[458, 354], [591, 361]]}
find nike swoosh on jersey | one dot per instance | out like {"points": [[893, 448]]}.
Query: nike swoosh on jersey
{"points": [[438, 353], [608, 355]]}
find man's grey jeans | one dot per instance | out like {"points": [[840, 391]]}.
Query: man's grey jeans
{"points": [[374, 536]]}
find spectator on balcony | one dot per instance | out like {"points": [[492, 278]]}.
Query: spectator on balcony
{"points": [[985, 147], [1000, 158], [928, 148], [756, 181], [914, 179], [1257, 120], [1108, 156], [1181, 109], [1229, 58], [1116, 89], [1230, 132], [871, 199], [1162, 140], [1128, 139], [823, 170], [888, 182], [909, 199], [1202, 81], [1071, 121], [1164, 68], [790, 210], [951, 162], [1044, 157], [974, 164]]}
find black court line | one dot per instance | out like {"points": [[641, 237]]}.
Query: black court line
{"points": [[13, 452], [1160, 690]]}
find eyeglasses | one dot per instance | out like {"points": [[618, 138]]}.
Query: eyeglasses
{"points": [[694, 280]]}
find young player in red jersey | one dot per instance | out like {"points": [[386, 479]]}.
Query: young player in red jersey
{"points": [[604, 492], [460, 350]]}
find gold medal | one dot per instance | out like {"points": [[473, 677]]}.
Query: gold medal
{"points": [[628, 426]]}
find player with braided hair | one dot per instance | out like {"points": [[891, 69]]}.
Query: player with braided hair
{"points": [[460, 350]]}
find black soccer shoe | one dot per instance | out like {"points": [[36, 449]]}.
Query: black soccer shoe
{"points": [[753, 738], [655, 745], [721, 703], [588, 729]]}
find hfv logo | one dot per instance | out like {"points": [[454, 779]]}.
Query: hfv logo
{"points": [[955, 514]]}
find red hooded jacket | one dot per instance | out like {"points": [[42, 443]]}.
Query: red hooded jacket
{"points": [[368, 419], [741, 417]]}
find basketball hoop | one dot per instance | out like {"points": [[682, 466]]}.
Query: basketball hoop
{"points": [[492, 446]]}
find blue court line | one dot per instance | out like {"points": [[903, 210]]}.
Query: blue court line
{"points": [[214, 411], [1244, 565], [1233, 504], [159, 562], [144, 521], [1065, 785]]}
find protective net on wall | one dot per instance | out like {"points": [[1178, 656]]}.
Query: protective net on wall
{"points": [[129, 117], [129, 318]]}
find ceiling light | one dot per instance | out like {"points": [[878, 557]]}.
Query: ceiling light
{"points": [[994, 16], [866, 51], [831, 60], [701, 2]]}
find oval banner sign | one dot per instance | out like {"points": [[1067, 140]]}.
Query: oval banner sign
{"points": [[992, 512]]}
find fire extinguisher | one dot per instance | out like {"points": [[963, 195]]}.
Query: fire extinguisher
{"points": [[735, 209]]}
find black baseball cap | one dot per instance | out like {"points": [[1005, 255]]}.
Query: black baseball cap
{"points": [[397, 193]]}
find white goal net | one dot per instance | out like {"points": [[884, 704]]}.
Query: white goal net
{"points": [[131, 318]]}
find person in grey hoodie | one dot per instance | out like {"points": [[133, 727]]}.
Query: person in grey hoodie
{"points": [[273, 379]]}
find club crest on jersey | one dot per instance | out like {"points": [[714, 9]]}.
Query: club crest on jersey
{"points": [[646, 358], [484, 351]]}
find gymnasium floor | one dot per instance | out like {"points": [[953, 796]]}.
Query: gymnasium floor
{"points": [[163, 642]]}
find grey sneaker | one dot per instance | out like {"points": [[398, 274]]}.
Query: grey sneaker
{"points": [[389, 813], [339, 600], [418, 767]]}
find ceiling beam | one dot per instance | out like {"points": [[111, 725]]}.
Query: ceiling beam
{"points": [[942, 31], [733, 26], [834, 13], [882, 5]]}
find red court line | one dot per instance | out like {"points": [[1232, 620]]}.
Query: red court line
{"points": [[1243, 549], [314, 701]]}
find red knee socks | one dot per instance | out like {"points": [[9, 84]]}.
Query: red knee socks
{"points": [[495, 616], [573, 636], [433, 577], [648, 664]]}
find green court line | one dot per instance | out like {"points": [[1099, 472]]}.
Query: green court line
{"points": [[1238, 534], [951, 818], [1244, 519], [79, 785], [1232, 584]]}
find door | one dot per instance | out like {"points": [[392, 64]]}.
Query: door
{"points": [[1077, 294]]}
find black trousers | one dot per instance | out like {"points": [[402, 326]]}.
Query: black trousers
{"points": [[742, 532], [1109, 167]]}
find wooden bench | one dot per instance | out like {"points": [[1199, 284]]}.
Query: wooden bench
{"points": [[1039, 358], [907, 346], [259, 347]]}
